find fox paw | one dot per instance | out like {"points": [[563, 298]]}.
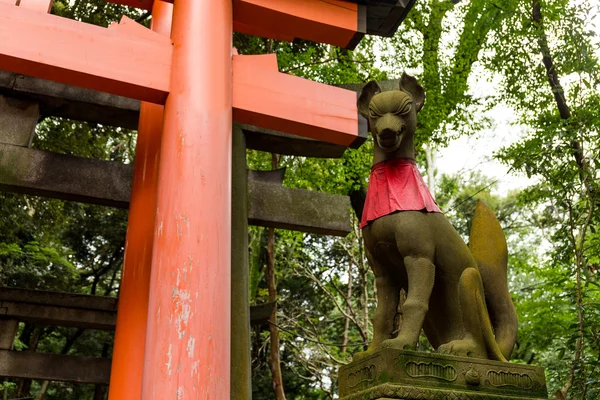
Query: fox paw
{"points": [[361, 355], [463, 348], [398, 344]]}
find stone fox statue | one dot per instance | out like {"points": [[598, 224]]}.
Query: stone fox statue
{"points": [[457, 293]]}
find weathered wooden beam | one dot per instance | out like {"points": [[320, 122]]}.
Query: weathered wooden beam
{"points": [[58, 308], [54, 367], [61, 316], [129, 60], [64, 309], [19, 118], [60, 100], [71, 309], [48, 174], [58, 299], [8, 330], [59, 176], [283, 21], [241, 342], [261, 313], [337, 22], [283, 143], [125, 59], [298, 210]]}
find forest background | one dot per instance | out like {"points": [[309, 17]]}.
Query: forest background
{"points": [[534, 61]]}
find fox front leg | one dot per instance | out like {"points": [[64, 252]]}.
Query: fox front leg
{"points": [[421, 276], [388, 296]]}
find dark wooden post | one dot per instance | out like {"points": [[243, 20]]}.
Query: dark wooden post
{"points": [[241, 374]]}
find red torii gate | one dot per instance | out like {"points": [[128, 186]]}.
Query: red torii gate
{"points": [[175, 289]]}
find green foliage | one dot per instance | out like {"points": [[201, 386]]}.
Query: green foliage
{"points": [[444, 66], [96, 12], [560, 150]]}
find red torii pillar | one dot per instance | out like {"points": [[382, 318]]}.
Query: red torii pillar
{"points": [[190, 278], [130, 335]]}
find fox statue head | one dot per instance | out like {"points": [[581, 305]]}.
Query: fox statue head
{"points": [[392, 116]]}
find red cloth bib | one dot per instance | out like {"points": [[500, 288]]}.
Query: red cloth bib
{"points": [[396, 185]]}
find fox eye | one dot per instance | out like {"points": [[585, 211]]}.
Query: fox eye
{"points": [[404, 110]]}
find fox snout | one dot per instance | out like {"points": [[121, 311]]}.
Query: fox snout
{"points": [[388, 131], [389, 124]]}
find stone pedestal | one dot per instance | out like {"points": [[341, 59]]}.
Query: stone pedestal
{"points": [[410, 375]]}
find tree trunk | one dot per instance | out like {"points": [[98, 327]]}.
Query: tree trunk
{"points": [[24, 387], [364, 282], [430, 156], [68, 344], [348, 310], [565, 113], [274, 358], [100, 389], [554, 81], [42, 394]]}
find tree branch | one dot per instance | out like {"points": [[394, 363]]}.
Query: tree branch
{"points": [[274, 358]]}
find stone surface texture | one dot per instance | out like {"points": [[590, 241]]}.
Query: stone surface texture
{"points": [[296, 209], [411, 375], [48, 174], [18, 120], [457, 295]]}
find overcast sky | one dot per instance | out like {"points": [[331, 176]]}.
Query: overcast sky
{"points": [[475, 152]]}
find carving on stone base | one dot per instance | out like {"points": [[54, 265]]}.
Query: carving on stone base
{"points": [[367, 374], [507, 378], [389, 392], [410, 375], [431, 370]]}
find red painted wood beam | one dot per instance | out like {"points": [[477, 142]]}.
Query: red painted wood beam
{"points": [[37, 5], [143, 4], [265, 97], [337, 22], [130, 60], [126, 59], [134, 294]]}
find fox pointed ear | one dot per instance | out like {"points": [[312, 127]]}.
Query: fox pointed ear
{"points": [[410, 85], [368, 91]]}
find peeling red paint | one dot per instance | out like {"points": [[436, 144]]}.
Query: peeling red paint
{"points": [[187, 349], [128, 355]]}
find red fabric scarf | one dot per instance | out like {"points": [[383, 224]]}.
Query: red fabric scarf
{"points": [[396, 185]]}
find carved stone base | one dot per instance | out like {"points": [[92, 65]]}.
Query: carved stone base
{"points": [[409, 375]]}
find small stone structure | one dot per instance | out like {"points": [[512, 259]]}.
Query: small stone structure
{"points": [[410, 375]]}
